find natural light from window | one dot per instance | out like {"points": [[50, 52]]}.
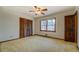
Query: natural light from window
{"points": [[48, 25]]}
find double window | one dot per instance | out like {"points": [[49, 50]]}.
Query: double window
{"points": [[48, 25]]}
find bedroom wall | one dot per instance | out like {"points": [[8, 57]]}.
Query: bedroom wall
{"points": [[1, 26], [9, 24], [59, 24], [77, 9]]}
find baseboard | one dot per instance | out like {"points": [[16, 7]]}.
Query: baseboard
{"points": [[9, 40], [49, 36], [12, 39], [35, 34]]}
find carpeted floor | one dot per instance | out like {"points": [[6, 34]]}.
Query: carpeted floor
{"points": [[38, 44]]}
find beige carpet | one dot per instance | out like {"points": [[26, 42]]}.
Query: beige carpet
{"points": [[38, 44]]}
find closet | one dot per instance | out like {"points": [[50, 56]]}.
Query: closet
{"points": [[25, 27], [71, 28]]}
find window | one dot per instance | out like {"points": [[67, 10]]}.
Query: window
{"points": [[48, 25], [43, 25]]}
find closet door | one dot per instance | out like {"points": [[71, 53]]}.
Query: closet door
{"points": [[69, 28], [25, 27], [22, 27], [29, 28]]}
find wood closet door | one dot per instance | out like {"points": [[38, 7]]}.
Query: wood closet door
{"points": [[69, 28], [25, 27], [22, 27], [29, 28], [76, 25]]}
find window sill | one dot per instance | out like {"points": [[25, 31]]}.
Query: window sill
{"points": [[47, 31]]}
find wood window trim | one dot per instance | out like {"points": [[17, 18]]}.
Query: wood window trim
{"points": [[46, 26]]}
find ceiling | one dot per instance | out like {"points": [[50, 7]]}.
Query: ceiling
{"points": [[25, 9]]}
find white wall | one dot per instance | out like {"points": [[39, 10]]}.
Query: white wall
{"points": [[9, 24], [77, 9], [59, 24], [1, 24]]}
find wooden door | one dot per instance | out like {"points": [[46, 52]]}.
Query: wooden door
{"points": [[25, 27], [70, 28], [30, 27], [22, 27], [76, 25]]}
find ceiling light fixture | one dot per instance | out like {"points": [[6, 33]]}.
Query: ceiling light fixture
{"points": [[38, 10]]}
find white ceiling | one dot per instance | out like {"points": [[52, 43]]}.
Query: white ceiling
{"points": [[25, 9]]}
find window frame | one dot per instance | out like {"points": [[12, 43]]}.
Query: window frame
{"points": [[47, 26], [40, 25]]}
